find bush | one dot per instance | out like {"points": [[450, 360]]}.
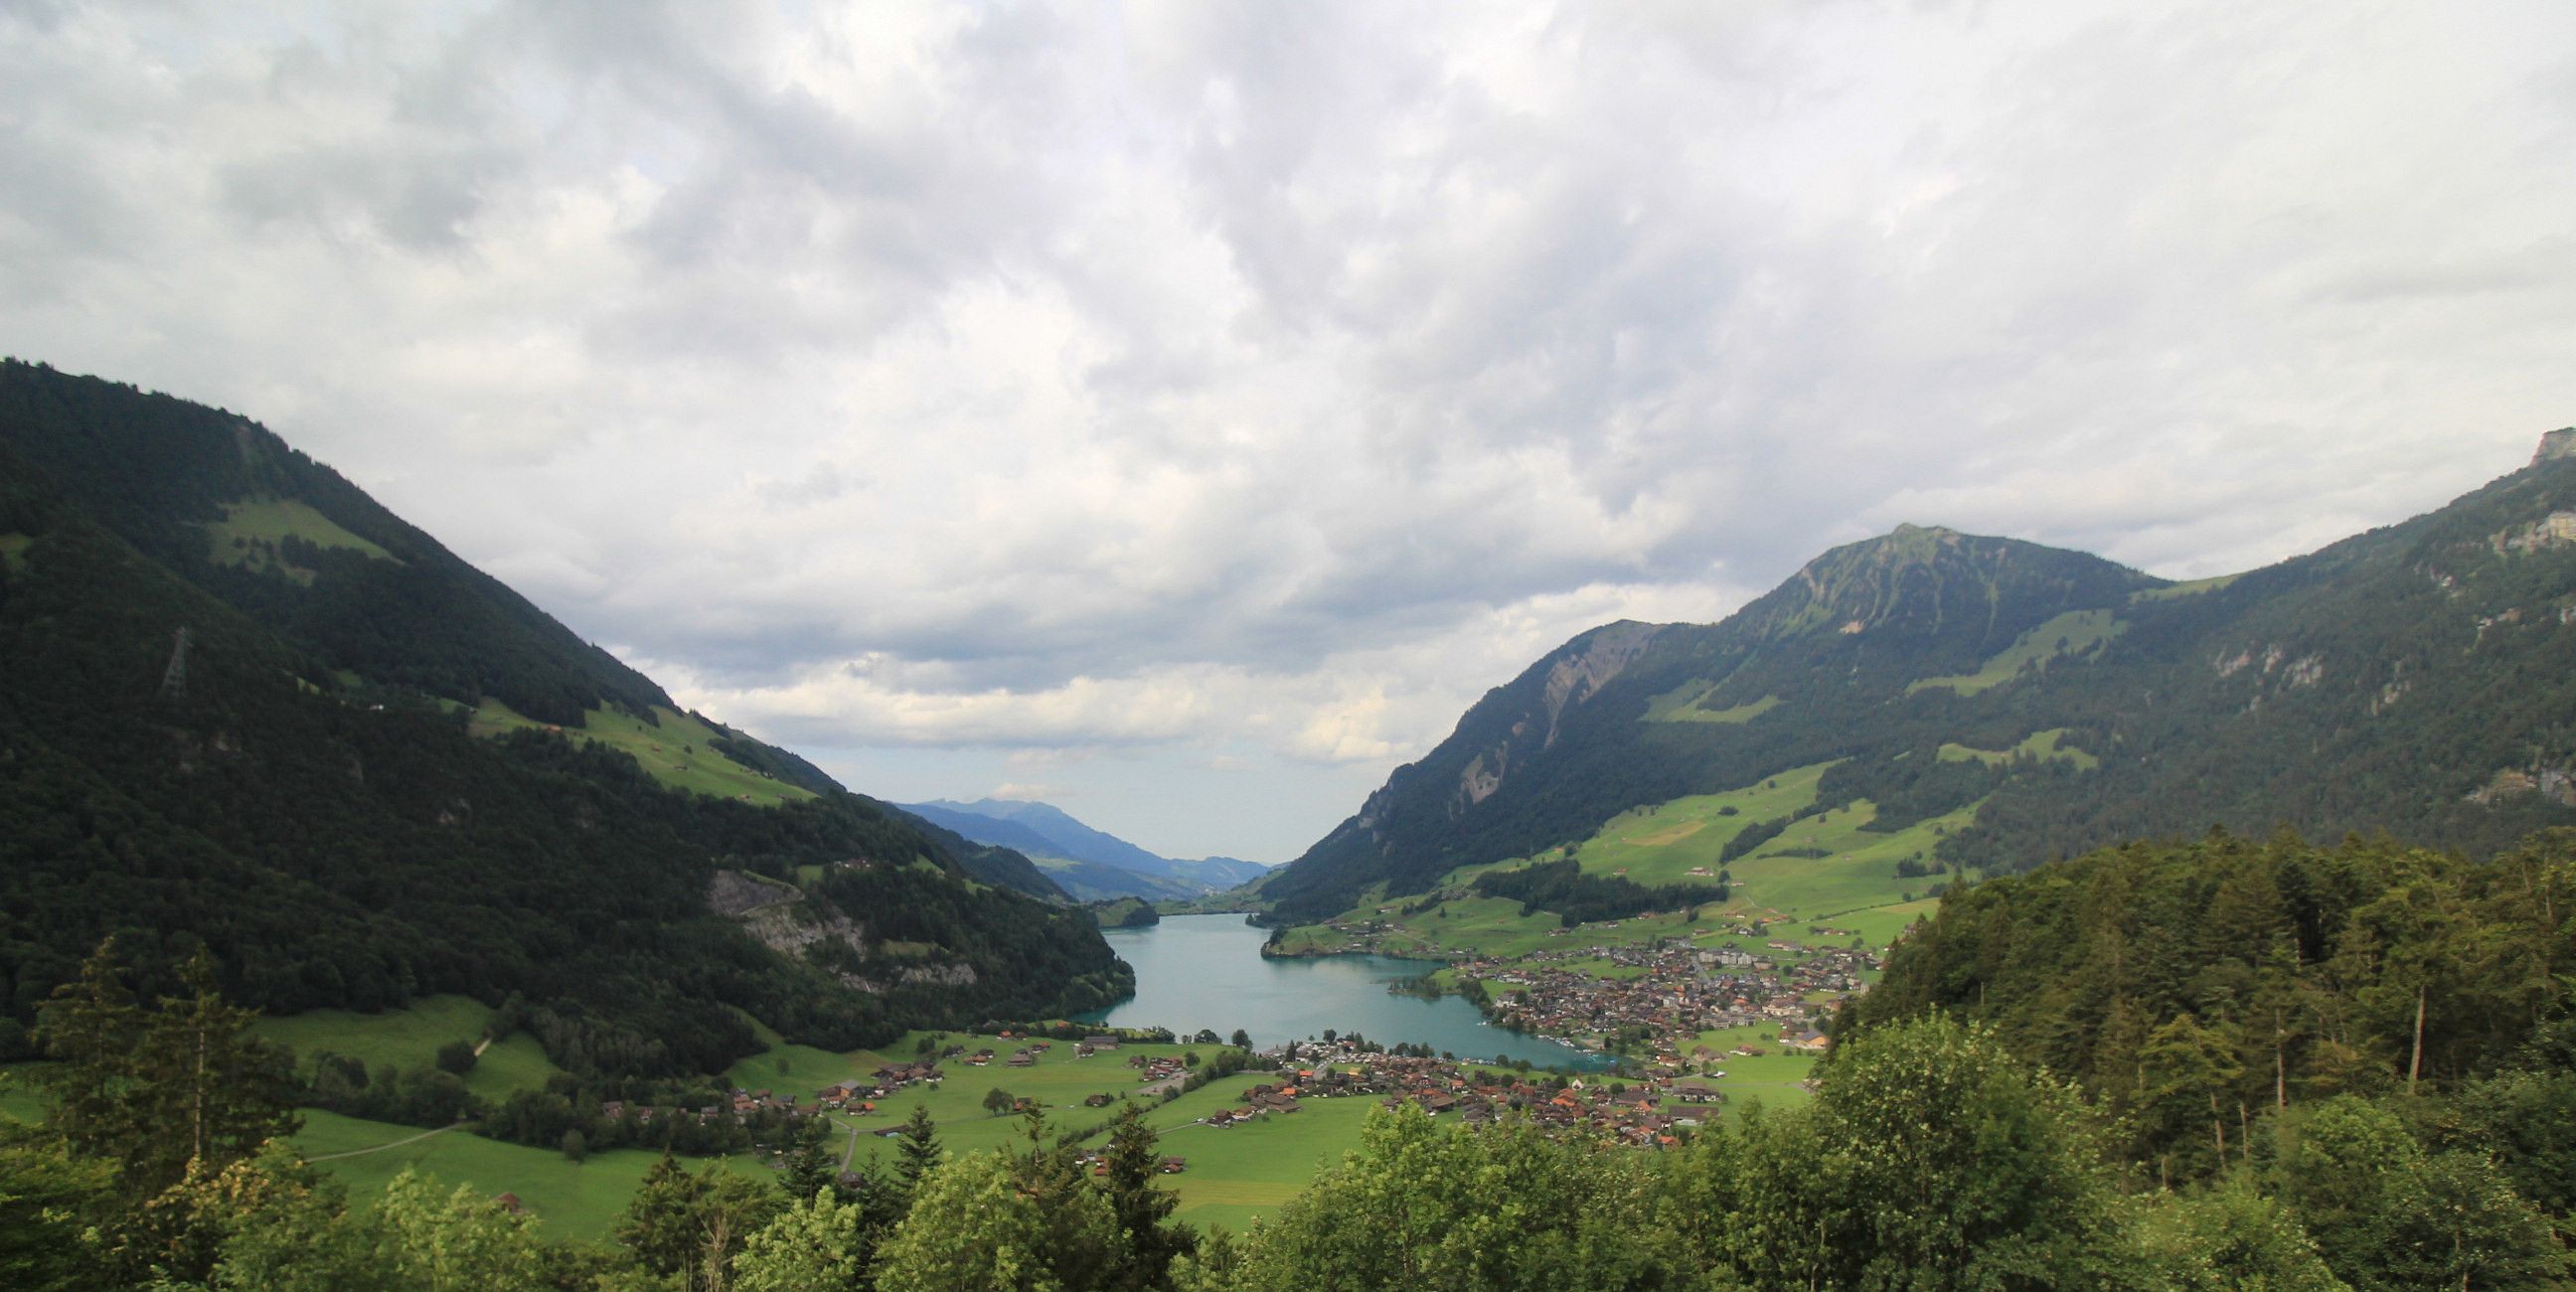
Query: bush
{"points": [[457, 1057]]}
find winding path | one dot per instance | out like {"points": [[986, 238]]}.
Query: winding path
{"points": [[360, 1152]]}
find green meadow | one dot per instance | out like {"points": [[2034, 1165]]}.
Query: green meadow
{"points": [[1237, 1174], [1852, 884], [574, 1199], [1774, 1078], [251, 530], [1688, 703], [2071, 633], [2042, 745], [409, 1038], [678, 753]]}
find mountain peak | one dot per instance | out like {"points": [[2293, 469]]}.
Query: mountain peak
{"points": [[1931, 577], [2555, 445]]}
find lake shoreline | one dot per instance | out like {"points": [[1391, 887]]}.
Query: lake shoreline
{"points": [[1210, 972]]}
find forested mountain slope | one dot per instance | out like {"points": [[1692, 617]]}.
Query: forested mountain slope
{"points": [[2416, 678], [379, 773]]}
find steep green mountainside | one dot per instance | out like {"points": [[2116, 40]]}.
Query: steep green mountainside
{"points": [[2415, 678], [380, 775]]}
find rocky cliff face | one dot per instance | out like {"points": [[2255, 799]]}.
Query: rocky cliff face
{"points": [[2555, 445]]}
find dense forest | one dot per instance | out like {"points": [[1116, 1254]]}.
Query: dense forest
{"points": [[284, 792], [2414, 678], [2192, 989]]}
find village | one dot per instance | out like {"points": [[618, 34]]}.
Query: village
{"points": [[1653, 1003]]}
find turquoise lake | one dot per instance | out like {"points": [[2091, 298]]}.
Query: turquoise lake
{"points": [[1207, 971]]}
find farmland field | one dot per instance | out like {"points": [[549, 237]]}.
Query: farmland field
{"points": [[574, 1200], [409, 1038]]}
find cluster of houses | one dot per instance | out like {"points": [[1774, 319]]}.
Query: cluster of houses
{"points": [[1259, 1101], [1677, 991], [1644, 1113]]}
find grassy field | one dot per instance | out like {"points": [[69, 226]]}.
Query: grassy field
{"points": [[1662, 843], [250, 531], [1772, 1078], [575, 1200], [1852, 888], [1239, 1173], [1858, 871], [1687, 703], [676, 753], [2071, 633], [410, 1038], [2042, 745], [2191, 589]]}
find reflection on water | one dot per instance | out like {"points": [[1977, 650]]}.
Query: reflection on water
{"points": [[1207, 971]]}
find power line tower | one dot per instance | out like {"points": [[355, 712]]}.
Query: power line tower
{"points": [[174, 680]]}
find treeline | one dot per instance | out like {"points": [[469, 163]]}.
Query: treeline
{"points": [[1578, 898], [2193, 989]]}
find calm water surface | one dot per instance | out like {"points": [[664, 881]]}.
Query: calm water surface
{"points": [[1195, 971]]}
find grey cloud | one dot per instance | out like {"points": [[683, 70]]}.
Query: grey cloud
{"points": [[1054, 363]]}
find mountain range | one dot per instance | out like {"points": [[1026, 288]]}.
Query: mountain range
{"points": [[2418, 679], [1090, 864], [250, 709]]}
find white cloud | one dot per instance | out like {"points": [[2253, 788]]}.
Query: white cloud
{"points": [[1258, 384]]}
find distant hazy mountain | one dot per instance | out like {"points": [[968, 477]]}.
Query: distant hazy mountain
{"points": [[2419, 678], [1091, 864]]}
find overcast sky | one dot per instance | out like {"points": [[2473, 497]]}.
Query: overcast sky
{"points": [[1181, 412]]}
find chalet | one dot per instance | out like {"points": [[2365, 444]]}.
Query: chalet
{"points": [[1021, 1059], [1692, 1090], [1174, 1165], [1099, 1043], [1099, 1101]]}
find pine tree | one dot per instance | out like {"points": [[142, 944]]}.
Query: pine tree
{"points": [[1143, 1210], [916, 1152]]}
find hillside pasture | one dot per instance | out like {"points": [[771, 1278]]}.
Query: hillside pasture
{"points": [[1688, 703], [251, 531], [2072, 633], [2046, 746], [409, 1038], [678, 753], [580, 1200], [1663, 842], [1858, 871]]}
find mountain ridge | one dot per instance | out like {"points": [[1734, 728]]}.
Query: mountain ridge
{"points": [[1926, 637], [1091, 863], [372, 772]]}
